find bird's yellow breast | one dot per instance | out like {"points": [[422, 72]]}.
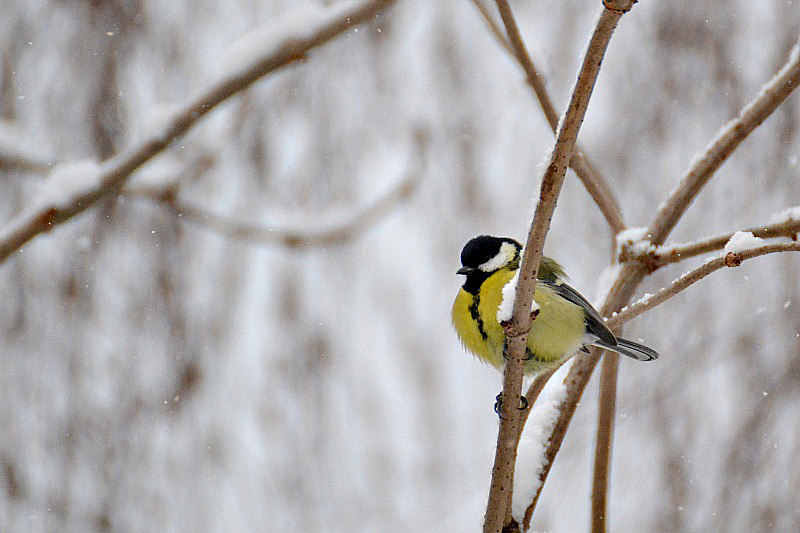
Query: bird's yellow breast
{"points": [[557, 331]]}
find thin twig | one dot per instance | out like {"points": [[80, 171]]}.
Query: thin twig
{"points": [[337, 233], [595, 184], [731, 259], [517, 332], [631, 274], [116, 171], [656, 257]]}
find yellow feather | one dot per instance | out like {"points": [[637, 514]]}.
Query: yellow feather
{"points": [[558, 330]]}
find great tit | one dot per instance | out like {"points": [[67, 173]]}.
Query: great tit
{"points": [[566, 322]]}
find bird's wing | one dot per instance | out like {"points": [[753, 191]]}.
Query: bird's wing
{"points": [[594, 322]]}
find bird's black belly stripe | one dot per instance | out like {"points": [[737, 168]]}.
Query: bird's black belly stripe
{"points": [[473, 311]]}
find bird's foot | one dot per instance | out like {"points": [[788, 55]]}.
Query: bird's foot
{"points": [[498, 404]]}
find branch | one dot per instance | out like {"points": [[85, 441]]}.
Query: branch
{"points": [[730, 259], [656, 257], [336, 233], [113, 174], [594, 183], [606, 407], [631, 274], [517, 332], [772, 94]]}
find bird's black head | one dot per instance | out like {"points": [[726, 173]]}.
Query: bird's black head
{"points": [[485, 255]]}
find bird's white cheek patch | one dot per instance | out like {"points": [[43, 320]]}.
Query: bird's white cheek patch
{"points": [[505, 254]]}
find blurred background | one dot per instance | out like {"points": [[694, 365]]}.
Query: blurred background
{"points": [[160, 371]]}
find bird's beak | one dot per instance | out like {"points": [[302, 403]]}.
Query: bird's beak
{"points": [[464, 270]]}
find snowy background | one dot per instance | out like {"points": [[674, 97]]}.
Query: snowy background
{"points": [[157, 376]]}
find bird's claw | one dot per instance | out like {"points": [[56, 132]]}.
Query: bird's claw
{"points": [[498, 405]]}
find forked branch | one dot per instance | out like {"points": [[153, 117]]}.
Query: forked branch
{"points": [[772, 94], [656, 257], [116, 171], [730, 259], [595, 184]]}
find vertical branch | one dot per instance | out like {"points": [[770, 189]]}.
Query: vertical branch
{"points": [[517, 331], [603, 440]]}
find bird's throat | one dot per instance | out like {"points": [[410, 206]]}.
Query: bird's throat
{"points": [[474, 280]]}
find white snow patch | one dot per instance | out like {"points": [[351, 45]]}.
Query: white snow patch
{"points": [[160, 173], [535, 440], [631, 235], [787, 215], [507, 305], [741, 241], [68, 181], [643, 300], [635, 241], [506, 308]]}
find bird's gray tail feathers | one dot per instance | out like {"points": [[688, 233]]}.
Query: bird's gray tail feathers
{"points": [[631, 349]]}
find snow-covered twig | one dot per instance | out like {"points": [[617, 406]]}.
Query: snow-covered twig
{"points": [[289, 45], [728, 259], [497, 511], [785, 224], [595, 184], [338, 232], [631, 274]]}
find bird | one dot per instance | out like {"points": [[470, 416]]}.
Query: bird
{"points": [[564, 324]]}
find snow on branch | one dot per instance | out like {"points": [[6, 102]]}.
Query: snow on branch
{"points": [[534, 440], [290, 44], [783, 224], [741, 247], [337, 229]]}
